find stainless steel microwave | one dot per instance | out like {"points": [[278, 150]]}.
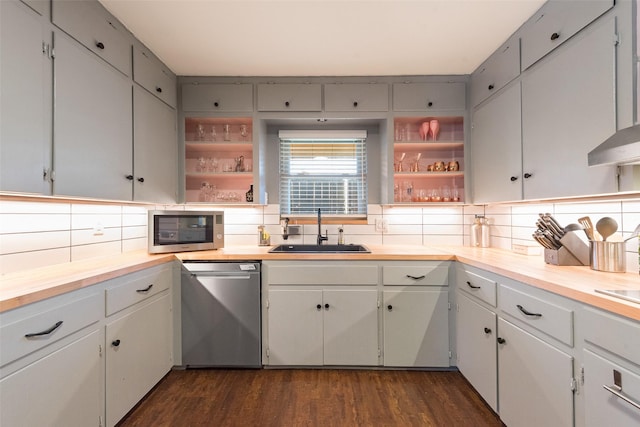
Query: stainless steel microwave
{"points": [[182, 231]]}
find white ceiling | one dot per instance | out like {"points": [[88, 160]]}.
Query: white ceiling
{"points": [[322, 37]]}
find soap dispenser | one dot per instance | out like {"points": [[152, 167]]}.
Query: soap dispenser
{"points": [[480, 236]]}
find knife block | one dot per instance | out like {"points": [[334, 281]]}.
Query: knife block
{"points": [[560, 257], [574, 251]]}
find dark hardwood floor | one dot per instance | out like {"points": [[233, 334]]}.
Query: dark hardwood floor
{"points": [[311, 397]]}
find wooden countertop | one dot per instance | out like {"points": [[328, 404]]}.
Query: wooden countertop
{"points": [[578, 283]]}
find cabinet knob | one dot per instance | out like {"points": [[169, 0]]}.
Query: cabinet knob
{"points": [[429, 104], [216, 104], [513, 178], [115, 343], [555, 36], [159, 89], [528, 175], [487, 330], [319, 307], [490, 87], [501, 340], [326, 306], [141, 179], [389, 307], [100, 45], [355, 103], [129, 177], [286, 103]]}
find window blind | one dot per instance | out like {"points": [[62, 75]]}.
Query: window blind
{"points": [[323, 170]]}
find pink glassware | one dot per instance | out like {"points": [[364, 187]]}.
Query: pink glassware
{"points": [[424, 130], [434, 127]]}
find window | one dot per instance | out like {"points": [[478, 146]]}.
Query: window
{"points": [[324, 170]]}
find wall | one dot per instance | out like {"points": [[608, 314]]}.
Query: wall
{"points": [[35, 234]]}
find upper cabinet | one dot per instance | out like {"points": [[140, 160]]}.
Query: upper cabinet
{"points": [[341, 97], [429, 96], [152, 75], [498, 70], [95, 29], [554, 23], [222, 97], [290, 97], [25, 85]]}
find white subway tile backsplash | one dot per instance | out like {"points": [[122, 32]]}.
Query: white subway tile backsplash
{"points": [[137, 232], [29, 223], [34, 259], [85, 221], [138, 244], [90, 236], [81, 208], [10, 206], [402, 239], [81, 252], [26, 242]]}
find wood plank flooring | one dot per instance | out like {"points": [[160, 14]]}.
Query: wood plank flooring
{"points": [[311, 397]]}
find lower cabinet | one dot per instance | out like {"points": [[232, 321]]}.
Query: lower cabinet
{"points": [[60, 389], [416, 327], [323, 327]]}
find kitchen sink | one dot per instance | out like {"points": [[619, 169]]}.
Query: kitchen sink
{"points": [[315, 249]]}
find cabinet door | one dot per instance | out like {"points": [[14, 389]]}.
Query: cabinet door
{"points": [[356, 97], [217, 97], [498, 70], [602, 407], [61, 389], [152, 75], [350, 327], [416, 328], [155, 152], [428, 96], [476, 348], [92, 125], [534, 380], [289, 97], [568, 108], [295, 327], [497, 129], [25, 80], [139, 353]]}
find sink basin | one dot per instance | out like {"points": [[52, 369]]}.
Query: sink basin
{"points": [[316, 249]]}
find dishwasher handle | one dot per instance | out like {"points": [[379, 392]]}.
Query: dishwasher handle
{"points": [[226, 276]]}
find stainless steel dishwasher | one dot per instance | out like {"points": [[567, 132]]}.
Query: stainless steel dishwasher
{"points": [[221, 314]]}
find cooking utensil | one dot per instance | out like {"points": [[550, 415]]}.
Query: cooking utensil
{"points": [[555, 224], [585, 221], [634, 233], [573, 227], [606, 226]]}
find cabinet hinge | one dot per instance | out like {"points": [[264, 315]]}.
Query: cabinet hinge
{"points": [[99, 420], [574, 385], [582, 375], [450, 354], [379, 352], [266, 303], [266, 352], [378, 302], [47, 50], [100, 350], [616, 39], [449, 305]]}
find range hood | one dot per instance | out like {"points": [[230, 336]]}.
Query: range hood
{"points": [[622, 148]]}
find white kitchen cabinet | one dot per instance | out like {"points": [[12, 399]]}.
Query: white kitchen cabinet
{"points": [[568, 108], [429, 96], [25, 84], [323, 327], [93, 123], [138, 354], [497, 128], [289, 97], [155, 149], [223, 97], [554, 23], [342, 97], [534, 380], [416, 326], [62, 388], [477, 349]]}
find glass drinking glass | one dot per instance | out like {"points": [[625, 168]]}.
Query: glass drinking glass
{"points": [[244, 132], [213, 134], [200, 132], [226, 129]]}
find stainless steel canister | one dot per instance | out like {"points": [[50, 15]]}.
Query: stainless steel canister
{"points": [[608, 256]]}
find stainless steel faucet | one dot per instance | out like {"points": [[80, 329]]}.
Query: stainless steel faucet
{"points": [[321, 238]]}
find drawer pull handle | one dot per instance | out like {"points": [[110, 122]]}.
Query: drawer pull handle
{"points": [[416, 277], [555, 36], [389, 307], [501, 340], [472, 286], [490, 87], [326, 306], [147, 289], [115, 343], [528, 313], [487, 330], [618, 393], [100, 45], [319, 306], [47, 332], [159, 89]]}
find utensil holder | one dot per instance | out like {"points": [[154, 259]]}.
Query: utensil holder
{"points": [[608, 256]]}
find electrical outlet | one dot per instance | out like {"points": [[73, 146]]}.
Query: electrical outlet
{"points": [[98, 229], [381, 225]]}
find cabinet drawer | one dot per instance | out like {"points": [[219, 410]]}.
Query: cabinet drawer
{"points": [[49, 327], [481, 287], [415, 274], [613, 333], [498, 70], [323, 274], [356, 97], [132, 289], [551, 319], [92, 26], [152, 75], [217, 97], [428, 96], [554, 23], [289, 97]]}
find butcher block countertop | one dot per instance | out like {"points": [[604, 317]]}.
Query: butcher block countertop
{"points": [[578, 283]]}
